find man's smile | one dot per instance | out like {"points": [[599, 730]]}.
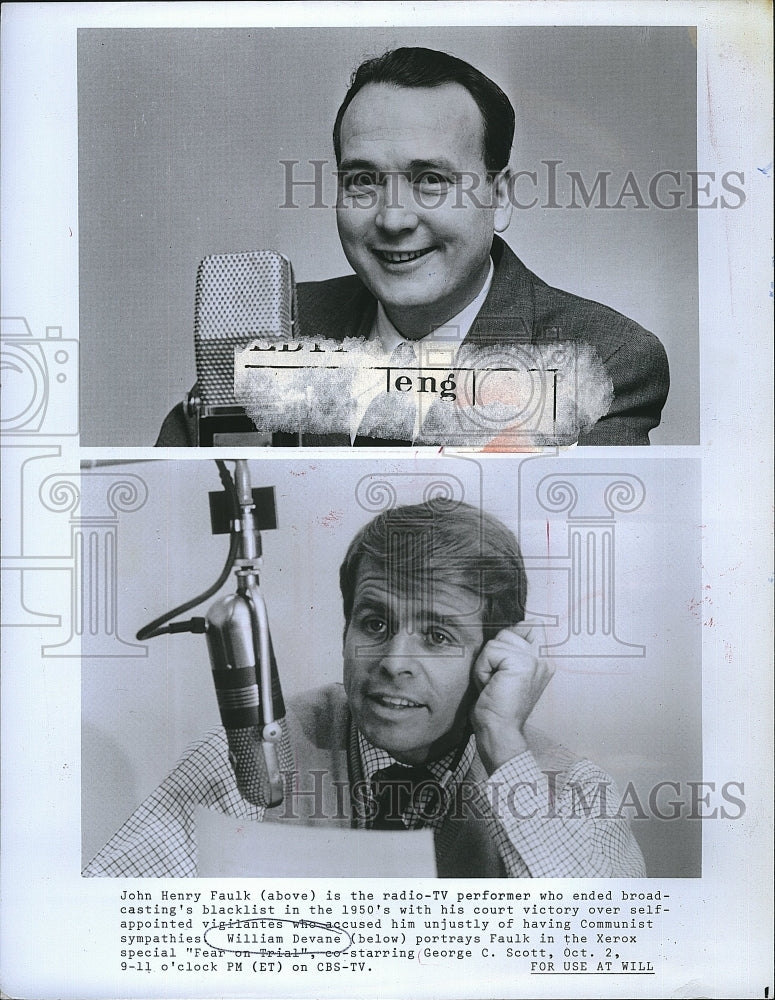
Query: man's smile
{"points": [[401, 256]]}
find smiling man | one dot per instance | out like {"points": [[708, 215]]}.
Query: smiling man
{"points": [[429, 729], [422, 143], [419, 201]]}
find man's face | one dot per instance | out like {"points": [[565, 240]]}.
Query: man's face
{"points": [[407, 664], [416, 212]]}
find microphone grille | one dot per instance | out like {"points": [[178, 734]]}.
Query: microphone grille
{"points": [[239, 297], [247, 761]]}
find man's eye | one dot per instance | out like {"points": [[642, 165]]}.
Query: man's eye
{"points": [[374, 626], [360, 181], [438, 637], [431, 180]]}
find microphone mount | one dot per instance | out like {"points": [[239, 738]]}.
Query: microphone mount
{"points": [[238, 639], [252, 703]]}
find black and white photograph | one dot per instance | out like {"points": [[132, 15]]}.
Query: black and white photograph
{"points": [[386, 448], [397, 597], [529, 191]]}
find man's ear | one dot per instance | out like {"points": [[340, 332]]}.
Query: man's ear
{"points": [[501, 196]]}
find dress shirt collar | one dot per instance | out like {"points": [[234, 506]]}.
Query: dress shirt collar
{"points": [[448, 770]]}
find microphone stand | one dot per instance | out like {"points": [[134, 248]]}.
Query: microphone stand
{"points": [[238, 640]]}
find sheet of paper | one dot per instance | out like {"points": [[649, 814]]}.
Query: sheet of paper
{"points": [[230, 848]]}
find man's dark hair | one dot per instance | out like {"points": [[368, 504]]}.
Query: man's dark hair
{"points": [[416, 67], [443, 541]]}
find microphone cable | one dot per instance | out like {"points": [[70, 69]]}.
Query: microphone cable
{"points": [[159, 625]]}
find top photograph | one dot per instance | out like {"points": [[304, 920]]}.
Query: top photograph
{"points": [[474, 237]]}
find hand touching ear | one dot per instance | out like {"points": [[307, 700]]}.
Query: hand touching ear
{"points": [[510, 677]]}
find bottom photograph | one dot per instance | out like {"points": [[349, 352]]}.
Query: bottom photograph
{"points": [[447, 666]]}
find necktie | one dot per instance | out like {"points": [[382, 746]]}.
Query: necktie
{"points": [[390, 416], [395, 788]]}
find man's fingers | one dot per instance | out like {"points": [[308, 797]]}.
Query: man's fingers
{"points": [[533, 633], [515, 648], [535, 639], [529, 639]]}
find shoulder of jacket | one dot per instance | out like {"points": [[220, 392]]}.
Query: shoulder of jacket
{"points": [[585, 319]]}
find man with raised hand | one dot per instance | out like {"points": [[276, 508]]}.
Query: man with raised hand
{"points": [[429, 729]]}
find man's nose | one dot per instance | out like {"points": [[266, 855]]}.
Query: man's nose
{"points": [[396, 211], [399, 654]]}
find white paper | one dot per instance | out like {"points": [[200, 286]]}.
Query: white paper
{"points": [[229, 848]]}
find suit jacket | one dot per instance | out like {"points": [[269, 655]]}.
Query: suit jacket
{"points": [[520, 307]]}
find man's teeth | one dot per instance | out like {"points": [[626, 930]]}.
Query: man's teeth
{"points": [[401, 256], [396, 702]]}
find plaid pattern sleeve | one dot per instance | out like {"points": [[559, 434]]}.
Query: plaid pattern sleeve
{"points": [[545, 831], [159, 838]]}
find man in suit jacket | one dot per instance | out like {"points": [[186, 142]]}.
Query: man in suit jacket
{"points": [[429, 728], [422, 143]]}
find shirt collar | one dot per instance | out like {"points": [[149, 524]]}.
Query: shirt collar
{"points": [[374, 759], [455, 330]]}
